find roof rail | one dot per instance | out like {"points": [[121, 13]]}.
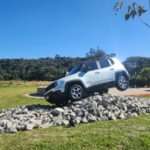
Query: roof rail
{"points": [[108, 56], [98, 58], [111, 55]]}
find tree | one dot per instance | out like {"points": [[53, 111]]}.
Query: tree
{"points": [[42, 68], [95, 53], [135, 65], [145, 75], [132, 9]]}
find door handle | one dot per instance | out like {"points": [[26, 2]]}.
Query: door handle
{"points": [[97, 72], [111, 69]]}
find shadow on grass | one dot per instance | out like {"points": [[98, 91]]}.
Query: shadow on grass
{"points": [[36, 95]]}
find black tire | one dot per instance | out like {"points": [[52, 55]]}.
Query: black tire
{"points": [[57, 100], [122, 82], [76, 92]]}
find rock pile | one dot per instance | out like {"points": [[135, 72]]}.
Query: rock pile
{"points": [[90, 109]]}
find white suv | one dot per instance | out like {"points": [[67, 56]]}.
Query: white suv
{"points": [[86, 78]]}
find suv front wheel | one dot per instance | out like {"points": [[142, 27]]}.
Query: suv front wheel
{"points": [[57, 99], [76, 92], [122, 82]]}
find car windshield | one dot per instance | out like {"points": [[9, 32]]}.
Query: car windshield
{"points": [[75, 69]]}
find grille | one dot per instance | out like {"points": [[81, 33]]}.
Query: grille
{"points": [[52, 85]]}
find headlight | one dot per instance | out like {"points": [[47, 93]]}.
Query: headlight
{"points": [[60, 83], [51, 86]]}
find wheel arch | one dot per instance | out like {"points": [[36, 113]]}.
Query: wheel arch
{"points": [[117, 74], [68, 84]]}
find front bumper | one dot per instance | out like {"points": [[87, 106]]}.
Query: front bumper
{"points": [[54, 89], [54, 96]]}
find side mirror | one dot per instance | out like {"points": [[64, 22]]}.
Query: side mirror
{"points": [[67, 73]]}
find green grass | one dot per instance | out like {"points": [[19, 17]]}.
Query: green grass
{"points": [[131, 134], [13, 93]]}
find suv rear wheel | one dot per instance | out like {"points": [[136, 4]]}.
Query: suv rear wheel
{"points": [[76, 92], [122, 82]]}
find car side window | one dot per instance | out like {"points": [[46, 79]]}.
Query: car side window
{"points": [[104, 63], [92, 66]]}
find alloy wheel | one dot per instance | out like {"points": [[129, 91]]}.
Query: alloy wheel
{"points": [[123, 82], [76, 92]]}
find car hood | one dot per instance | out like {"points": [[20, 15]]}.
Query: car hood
{"points": [[69, 77]]}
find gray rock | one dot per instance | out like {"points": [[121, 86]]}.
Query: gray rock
{"points": [[29, 126], [46, 125], [91, 118], [57, 111], [90, 109], [77, 120], [122, 116], [2, 130], [133, 114], [36, 123], [111, 116], [57, 121], [84, 120], [21, 126], [10, 127], [65, 122], [147, 110]]}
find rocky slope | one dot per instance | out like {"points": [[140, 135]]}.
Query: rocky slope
{"points": [[90, 109]]}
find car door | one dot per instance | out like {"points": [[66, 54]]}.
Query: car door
{"points": [[91, 77], [107, 73]]}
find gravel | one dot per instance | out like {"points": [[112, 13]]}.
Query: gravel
{"points": [[91, 109]]}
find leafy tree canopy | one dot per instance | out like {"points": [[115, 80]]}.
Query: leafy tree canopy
{"points": [[43, 68], [132, 9]]}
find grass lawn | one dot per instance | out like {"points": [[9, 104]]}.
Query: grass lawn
{"points": [[132, 134], [13, 94]]}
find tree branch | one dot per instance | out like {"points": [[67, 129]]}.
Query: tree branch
{"points": [[134, 10], [145, 23]]}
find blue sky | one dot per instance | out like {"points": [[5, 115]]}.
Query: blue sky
{"points": [[44, 28]]}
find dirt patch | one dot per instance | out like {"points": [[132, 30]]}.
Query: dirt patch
{"points": [[131, 92]]}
